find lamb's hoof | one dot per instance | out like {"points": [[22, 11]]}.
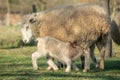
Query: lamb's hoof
{"points": [[77, 69], [49, 68], [55, 69], [67, 71]]}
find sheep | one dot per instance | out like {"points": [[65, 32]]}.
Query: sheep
{"points": [[115, 30], [86, 25], [62, 51]]}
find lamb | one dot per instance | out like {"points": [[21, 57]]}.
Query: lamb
{"points": [[86, 25], [62, 51]]}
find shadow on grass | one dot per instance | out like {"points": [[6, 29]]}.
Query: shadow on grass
{"points": [[59, 75], [110, 64], [18, 44], [24, 70]]}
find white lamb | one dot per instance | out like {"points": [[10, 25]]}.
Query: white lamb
{"points": [[62, 51]]}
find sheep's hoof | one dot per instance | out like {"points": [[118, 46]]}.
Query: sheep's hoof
{"points": [[101, 69], [85, 70], [77, 69], [101, 66]]}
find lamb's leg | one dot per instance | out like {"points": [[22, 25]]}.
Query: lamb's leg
{"points": [[47, 58], [87, 60], [34, 57], [49, 67], [68, 64], [92, 55], [74, 66], [51, 64]]}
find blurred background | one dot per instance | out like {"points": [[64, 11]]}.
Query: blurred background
{"points": [[12, 11]]}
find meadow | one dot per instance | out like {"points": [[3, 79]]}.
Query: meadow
{"points": [[15, 62]]}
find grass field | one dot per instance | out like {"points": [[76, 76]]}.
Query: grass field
{"points": [[15, 64]]}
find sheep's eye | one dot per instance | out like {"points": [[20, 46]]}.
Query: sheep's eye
{"points": [[27, 28]]}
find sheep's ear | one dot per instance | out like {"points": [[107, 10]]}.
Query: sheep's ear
{"points": [[32, 20]]}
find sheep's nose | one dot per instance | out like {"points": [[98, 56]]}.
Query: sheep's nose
{"points": [[25, 41]]}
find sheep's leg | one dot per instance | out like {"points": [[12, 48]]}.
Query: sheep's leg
{"points": [[102, 55], [102, 60], [74, 66], [51, 64], [92, 55], [108, 47], [87, 60], [34, 57]]}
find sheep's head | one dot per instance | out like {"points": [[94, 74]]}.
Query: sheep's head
{"points": [[26, 27]]}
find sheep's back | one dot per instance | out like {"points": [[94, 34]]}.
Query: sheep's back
{"points": [[81, 23]]}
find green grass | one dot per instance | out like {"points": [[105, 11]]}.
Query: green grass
{"points": [[15, 64], [10, 36]]}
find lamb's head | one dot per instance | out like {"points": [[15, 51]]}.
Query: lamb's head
{"points": [[26, 27]]}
